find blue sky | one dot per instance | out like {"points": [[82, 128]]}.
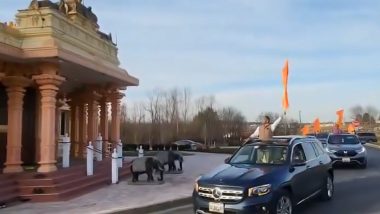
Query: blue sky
{"points": [[235, 49]]}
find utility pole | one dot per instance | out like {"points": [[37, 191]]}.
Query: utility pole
{"points": [[299, 114]]}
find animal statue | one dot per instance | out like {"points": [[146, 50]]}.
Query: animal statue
{"points": [[175, 156], [148, 165], [169, 158]]}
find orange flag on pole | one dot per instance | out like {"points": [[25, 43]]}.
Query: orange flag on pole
{"points": [[317, 126], [351, 129], [305, 130], [285, 74], [340, 114]]}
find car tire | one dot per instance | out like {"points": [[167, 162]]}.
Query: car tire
{"points": [[327, 192], [283, 203]]}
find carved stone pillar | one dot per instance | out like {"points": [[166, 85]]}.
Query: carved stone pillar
{"points": [[74, 125], [16, 91], [93, 116], [38, 126], [104, 119], [116, 116], [82, 129], [48, 83]]}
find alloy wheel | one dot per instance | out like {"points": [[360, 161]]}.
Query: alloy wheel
{"points": [[284, 205], [330, 187]]}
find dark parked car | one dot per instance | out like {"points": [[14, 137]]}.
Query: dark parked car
{"points": [[346, 149], [189, 145], [367, 137], [267, 177]]}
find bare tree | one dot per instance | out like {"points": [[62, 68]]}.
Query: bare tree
{"points": [[357, 112], [233, 123], [372, 111], [171, 109], [185, 104], [155, 109], [137, 121], [204, 102]]}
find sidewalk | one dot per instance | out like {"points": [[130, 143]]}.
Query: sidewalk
{"points": [[122, 196]]}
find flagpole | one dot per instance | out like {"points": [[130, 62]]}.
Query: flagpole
{"points": [[286, 123]]}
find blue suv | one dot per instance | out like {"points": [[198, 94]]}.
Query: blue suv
{"points": [[267, 177]]}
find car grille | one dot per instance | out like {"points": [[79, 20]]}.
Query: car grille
{"points": [[346, 153], [222, 194]]}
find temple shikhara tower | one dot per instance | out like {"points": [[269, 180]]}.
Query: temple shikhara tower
{"points": [[59, 74]]}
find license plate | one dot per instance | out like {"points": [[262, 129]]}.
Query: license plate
{"points": [[216, 207], [346, 160]]}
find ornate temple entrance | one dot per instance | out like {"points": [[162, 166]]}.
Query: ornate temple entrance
{"points": [[59, 74]]}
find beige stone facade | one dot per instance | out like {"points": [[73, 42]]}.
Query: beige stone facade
{"points": [[54, 56]]}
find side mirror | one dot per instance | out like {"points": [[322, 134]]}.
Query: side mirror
{"points": [[227, 160], [363, 142]]}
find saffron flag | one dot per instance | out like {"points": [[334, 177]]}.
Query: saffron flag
{"points": [[340, 114], [305, 130], [317, 126], [285, 74], [351, 129]]}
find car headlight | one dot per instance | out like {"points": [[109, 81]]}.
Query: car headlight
{"points": [[360, 150], [330, 150], [259, 190]]}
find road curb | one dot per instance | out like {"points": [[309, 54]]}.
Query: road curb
{"points": [[156, 207], [373, 145]]}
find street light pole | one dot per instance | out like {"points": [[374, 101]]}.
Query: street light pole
{"points": [[299, 114]]}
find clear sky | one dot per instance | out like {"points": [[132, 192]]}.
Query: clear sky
{"points": [[235, 49]]}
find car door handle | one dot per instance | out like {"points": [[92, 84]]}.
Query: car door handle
{"points": [[308, 167], [320, 162]]}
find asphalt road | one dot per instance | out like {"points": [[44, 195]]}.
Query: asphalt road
{"points": [[357, 191]]}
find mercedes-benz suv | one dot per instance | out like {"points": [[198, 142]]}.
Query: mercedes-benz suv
{"points": [[267, 177]]}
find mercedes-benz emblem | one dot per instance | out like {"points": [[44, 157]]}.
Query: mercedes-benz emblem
{"points": [[345, 152], [217, 193]]}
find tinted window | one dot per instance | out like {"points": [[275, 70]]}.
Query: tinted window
{"points": [[309, 151], [343, 139], [366, 134], [316, 151], [298, 154], [318, 148], [322, 135]]}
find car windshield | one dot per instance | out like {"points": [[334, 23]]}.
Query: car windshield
{"points": [[322, 136], [343, 139], [261, 154]]}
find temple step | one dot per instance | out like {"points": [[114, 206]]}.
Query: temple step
{"points": [[68, 183], [8, 189]]}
